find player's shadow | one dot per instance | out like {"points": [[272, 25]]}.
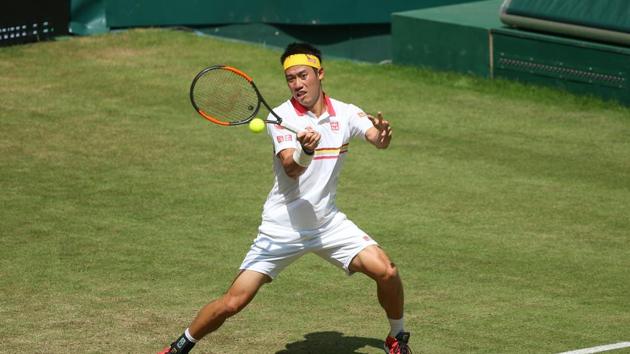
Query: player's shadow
{"points": [[330, 343]]}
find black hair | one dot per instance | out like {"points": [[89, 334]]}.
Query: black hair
{"points": [[300, 48]]}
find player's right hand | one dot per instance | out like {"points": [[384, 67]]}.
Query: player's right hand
{"points": [[309, 139]]}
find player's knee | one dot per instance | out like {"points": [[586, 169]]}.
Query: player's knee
{"points": [[387, 273], [232, 305], [390, 273]]}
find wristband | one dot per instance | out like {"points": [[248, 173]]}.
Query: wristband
{"points": [[301, 157]]}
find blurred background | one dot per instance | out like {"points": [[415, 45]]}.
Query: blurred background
{"points": [[577, 45]]}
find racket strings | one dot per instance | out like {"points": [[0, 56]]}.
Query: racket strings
{"points": [[226, 96]]}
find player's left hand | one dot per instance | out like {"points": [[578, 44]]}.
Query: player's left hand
{"points": [[383, 134]]}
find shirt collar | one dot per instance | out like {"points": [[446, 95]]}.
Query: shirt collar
{"points": [[301, 110]]}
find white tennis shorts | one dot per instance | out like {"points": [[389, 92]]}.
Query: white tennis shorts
{"points": [[338, 243]]}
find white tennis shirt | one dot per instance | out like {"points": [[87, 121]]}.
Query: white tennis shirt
{"points": [[306, 205]]}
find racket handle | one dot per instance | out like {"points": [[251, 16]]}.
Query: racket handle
{"points": [[290, 127]]}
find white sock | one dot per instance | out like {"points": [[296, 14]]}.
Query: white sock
{"points": [[397, 326], [189, 337]]}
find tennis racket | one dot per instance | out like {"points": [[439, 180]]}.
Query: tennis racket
{"points": [[226, 96]]}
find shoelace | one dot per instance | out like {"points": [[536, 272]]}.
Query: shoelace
{"points": [[400, 347]]}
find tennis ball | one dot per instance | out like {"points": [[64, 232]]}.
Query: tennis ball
{"points": [[256, 125]]}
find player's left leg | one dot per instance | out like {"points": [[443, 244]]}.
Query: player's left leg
{"points": [[374, 262]]}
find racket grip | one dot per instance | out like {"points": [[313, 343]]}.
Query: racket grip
{"points": [[291, 127]]}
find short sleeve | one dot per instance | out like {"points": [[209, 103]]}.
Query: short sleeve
{"points": [[281, 137], [358, 121]]}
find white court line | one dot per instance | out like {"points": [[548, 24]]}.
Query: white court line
{"points": [[601, 348]]}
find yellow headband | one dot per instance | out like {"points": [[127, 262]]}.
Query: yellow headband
{"points": [[301, 59]]}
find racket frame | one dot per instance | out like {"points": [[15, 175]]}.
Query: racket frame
{"points": [[279, 120]]}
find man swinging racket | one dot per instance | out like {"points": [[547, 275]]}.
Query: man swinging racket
{"points": [[300, 215]]}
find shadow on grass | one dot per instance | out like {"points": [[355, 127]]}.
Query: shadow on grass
{"points": [[329, 343]]}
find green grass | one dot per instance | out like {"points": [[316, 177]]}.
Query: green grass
{"points": [[506, 207]]}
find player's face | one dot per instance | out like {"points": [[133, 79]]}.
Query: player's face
{"points": [[305, 84]]}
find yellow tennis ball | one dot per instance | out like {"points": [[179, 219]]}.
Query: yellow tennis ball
{"points": [[257, 125]]}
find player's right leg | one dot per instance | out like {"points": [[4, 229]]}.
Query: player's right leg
{"points": [[212, 316], [242, 291]]}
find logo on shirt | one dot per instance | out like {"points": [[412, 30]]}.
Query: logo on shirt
{"points": [[282, 138], [334, 126], [362, 114]]}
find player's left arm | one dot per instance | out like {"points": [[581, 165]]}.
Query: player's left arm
{"points": [[380, 135]]}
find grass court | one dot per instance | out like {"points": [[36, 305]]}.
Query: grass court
{"points": [[506, 207]]}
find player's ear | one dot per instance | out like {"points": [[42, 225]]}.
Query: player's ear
{"points": [[320, 73]]}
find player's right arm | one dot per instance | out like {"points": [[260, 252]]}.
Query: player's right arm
{"points": [[296, 161]]}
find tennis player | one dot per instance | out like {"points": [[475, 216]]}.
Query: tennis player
{"points": [[300, 215]]}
